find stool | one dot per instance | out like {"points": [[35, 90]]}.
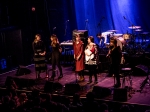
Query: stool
{"points": [[50, 70], [126, 72]]}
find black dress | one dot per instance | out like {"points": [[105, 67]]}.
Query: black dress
{"points": [[56, 59], [115, 58], [39, 60]]}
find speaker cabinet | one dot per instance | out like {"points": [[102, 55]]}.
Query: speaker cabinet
{"points": [[101, 92], [52, 86], [83, 35], [71, 89], [22, 70], [120, 94]]}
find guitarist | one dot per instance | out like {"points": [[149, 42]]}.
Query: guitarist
{"points": [[91, 59]]}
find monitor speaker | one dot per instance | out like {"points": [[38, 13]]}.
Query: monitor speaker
{"points": [[101, 92], [71, 89], [22, 70], [120, 94], [52, 86]]}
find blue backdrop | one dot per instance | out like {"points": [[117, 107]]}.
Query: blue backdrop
{"points": [[103, 15]]}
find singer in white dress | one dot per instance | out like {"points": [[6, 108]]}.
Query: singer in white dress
{"points": [[91, 58]]}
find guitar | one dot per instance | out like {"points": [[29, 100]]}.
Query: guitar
{"points": [[88, 55]]}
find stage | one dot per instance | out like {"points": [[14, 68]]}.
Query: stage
{"points": [[28, 82]]}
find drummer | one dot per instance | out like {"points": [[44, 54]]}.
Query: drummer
{"points": [[104, 38]]}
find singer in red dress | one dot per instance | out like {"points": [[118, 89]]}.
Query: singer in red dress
{"points": [[78, 46]]}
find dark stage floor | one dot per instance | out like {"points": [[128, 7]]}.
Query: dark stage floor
{"points": [[69, 77]]}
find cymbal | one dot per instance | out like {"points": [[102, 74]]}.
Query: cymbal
{"points": [[134, 27], [145, 33], [117, 35], [138, 30], [112, 30]]}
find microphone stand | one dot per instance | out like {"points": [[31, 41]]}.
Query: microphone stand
{"points": [[86, 24], [99, 24], [66, 27], [99, 34], [54, 30]]}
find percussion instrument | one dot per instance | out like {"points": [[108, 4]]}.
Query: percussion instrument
{"points": [[134, 27], [112, 31], [106, 36], [138, 30], [117, 35], [107, 45], [126, 36], [121, 42]]}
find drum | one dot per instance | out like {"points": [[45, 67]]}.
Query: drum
{"points": [[106, 36], [107, 45], [126, 36], [121, 42]]}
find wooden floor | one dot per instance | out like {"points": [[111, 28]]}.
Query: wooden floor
{"points": [[103, 81]]}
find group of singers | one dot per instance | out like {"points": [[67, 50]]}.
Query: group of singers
{"points": [[83, 55]]}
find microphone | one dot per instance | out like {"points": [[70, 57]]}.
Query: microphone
{"points": [[86, 20], [54, 28], [67, 21], [124, 17]]}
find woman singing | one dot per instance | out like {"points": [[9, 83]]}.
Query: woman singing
{"points": [[78, 47], [91, 58], [115, 58], [56, 53], [39, 55]]}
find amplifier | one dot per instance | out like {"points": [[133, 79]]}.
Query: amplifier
{"points": [[83, 35]]}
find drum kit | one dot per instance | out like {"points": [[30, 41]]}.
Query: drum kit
{"points": [[123, 40]]}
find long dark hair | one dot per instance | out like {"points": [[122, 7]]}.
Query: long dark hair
{"points": [[54, 40], [91, 38]]}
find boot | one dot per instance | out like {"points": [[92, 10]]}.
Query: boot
{"points": [[95, 79], [60, 76], [90, 80], [53, 76], [81, 78], [38, 75], [47, 76]]}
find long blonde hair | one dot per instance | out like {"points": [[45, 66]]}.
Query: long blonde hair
{"points": [[35, 39], [54, 40]]}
